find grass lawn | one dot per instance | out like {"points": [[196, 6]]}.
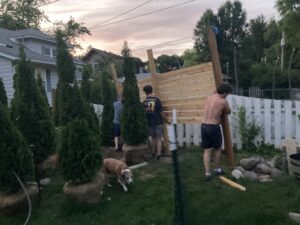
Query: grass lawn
{"points": [[150, 200]]}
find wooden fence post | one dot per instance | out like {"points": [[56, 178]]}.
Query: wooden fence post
{"points": [[115, 79], [218, 80]]}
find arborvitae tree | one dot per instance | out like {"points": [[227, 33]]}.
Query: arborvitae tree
{"points": [[30, 111], [86, 85], [66, 73], [79, 157], [106, 128], [42, 87], [134, 122], [3, 97], [84, 110], [14, 154]]}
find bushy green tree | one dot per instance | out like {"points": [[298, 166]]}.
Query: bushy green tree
{"points": [[80, 158], [30, 111], [14, 154], [208, 19], [167, 63], [21, 14], [3, 97], [134, 122], [106, 127], [66, 73]]}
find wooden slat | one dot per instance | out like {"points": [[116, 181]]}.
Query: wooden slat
{"points": [[287, 119], [186, 113], [194, 75], [196, 134], [297, 105], [267, 121], [188, 120], [180, 135], [181, 107], [199, 68], [277, 127]]}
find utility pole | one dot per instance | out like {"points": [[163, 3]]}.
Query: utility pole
{"points": [[273, 78], [282, 44], [289, 73]]}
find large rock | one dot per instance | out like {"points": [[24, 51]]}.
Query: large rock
{"points": [[88, 192], [275, 173], [251, 175], [11, 203], [262, 168], [237, 174], [250, 163], [135, 154]]}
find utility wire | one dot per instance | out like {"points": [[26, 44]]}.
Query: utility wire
{"points": [[145, 14], [48, 3], [121, 14], [163, 44]]}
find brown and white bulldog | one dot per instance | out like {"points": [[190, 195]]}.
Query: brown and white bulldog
{"points": [[118, 168]]}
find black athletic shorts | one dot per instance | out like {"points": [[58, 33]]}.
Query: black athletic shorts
{"points": [[117, 130], [211, 136]]}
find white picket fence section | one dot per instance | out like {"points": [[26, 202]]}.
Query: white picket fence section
{"points": [[278, 120]]}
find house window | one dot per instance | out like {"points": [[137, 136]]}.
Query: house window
{"points": [[46, 51], [48, 81], [54, 52]]}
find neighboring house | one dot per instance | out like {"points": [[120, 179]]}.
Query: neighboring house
{"points": [[40, 48], [98, 58]]}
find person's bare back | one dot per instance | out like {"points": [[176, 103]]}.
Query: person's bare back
{"points": [[215, 107]]}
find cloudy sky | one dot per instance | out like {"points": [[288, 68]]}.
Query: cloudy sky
{"points": [[167, 31]]}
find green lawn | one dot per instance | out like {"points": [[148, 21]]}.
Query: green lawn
{"points": [[150, 201]]}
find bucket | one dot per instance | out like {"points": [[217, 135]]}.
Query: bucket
{"points": [[295, 165]]}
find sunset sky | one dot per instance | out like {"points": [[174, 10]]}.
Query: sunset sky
{"points": [[169, 31]]}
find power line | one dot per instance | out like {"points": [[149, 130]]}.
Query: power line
{"points": [[163, 44], [145, 14], [121, 14], [48, 3]]}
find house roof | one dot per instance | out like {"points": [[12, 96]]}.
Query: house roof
{"points": [[99, 52], [10, 49]]}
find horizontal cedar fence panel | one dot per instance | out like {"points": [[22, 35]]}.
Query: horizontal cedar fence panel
{"points": [[187, 120], [184, 90]]}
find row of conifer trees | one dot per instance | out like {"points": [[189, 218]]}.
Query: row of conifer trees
{"points": [[30, 132]]}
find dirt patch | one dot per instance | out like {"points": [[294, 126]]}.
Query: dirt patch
{"points": [[110, 152]]}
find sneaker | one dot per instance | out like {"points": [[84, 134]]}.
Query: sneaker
{"points": [[218, 173], [158, 157], [207, 178]]}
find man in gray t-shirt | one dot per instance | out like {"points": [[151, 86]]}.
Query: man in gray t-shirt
{"points": [[118, 107]]}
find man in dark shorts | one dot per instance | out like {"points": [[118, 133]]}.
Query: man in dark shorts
{"points": [[154, 113], [215, 107], [118, 107]]}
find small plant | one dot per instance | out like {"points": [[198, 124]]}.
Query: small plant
{"points": [[248, 131]]}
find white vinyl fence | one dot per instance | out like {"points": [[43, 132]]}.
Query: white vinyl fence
{"points": [[278, 119]]}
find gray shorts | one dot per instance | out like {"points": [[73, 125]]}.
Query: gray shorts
{"points": [[156, 131]]}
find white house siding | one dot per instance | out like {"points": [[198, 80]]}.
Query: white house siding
{"points": [[6, 73], [36, 45]]}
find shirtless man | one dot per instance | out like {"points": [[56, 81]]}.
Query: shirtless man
{"points": [[215, 107]]}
